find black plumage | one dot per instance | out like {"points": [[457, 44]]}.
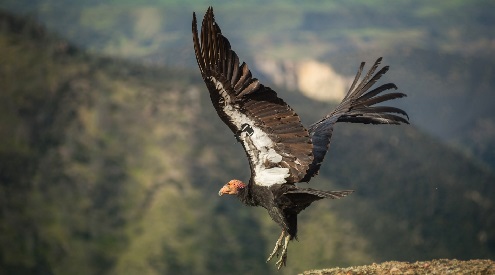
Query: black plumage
{"points": [[280, 150]]}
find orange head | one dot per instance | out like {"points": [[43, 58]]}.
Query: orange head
{"points": [[232, 187]]}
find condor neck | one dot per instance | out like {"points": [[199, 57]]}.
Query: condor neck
{"points": [[255, 195], [245, 196]]}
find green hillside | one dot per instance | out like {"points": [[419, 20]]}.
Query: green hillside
{"points": [[441, 52], [275, 29], [109, 167]]}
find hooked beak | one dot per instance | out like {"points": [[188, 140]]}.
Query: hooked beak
{"points": [[224, 190]]}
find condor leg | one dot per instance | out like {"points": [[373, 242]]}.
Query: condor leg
{"points": [[283, 258], [280, 250], [278, 246]]}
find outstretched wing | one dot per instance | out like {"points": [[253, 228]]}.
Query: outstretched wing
{"points": [[357, 107], [278, 146]]}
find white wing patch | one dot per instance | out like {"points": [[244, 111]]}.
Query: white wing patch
{"points": [[259, 145]]}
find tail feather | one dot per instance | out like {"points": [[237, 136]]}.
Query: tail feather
{"points": [[356, 107], [327, 194], [305, 196], [321, 193]]}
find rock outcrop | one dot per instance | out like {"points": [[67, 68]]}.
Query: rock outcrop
{"points": [[442, 266]]}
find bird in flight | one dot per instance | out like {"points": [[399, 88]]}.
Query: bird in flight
{"points": [[281, 151]]}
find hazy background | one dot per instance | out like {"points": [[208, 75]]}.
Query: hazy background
{"points": [[111, 154]]}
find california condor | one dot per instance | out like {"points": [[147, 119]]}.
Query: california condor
{"points": [[281, 151]]}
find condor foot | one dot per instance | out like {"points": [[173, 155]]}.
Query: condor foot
{"points": [[280, 250]]}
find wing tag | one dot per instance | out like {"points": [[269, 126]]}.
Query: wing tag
{"points": [[245, 128]]}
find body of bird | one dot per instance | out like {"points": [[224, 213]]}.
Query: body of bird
{"points": [[281, 151]]}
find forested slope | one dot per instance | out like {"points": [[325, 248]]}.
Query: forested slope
{"points": [[108, 167]]}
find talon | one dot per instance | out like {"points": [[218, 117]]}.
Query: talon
{"points": [[280, 250], [282, 261], [283, 258], [278, 246]]}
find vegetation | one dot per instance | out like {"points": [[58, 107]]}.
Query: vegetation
{"points": [[111, 167], [440, 51], [275, 29]]}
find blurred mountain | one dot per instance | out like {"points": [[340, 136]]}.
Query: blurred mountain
{"points": [[449, 95], [155, 29], [441, 52], [108, 166]]}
